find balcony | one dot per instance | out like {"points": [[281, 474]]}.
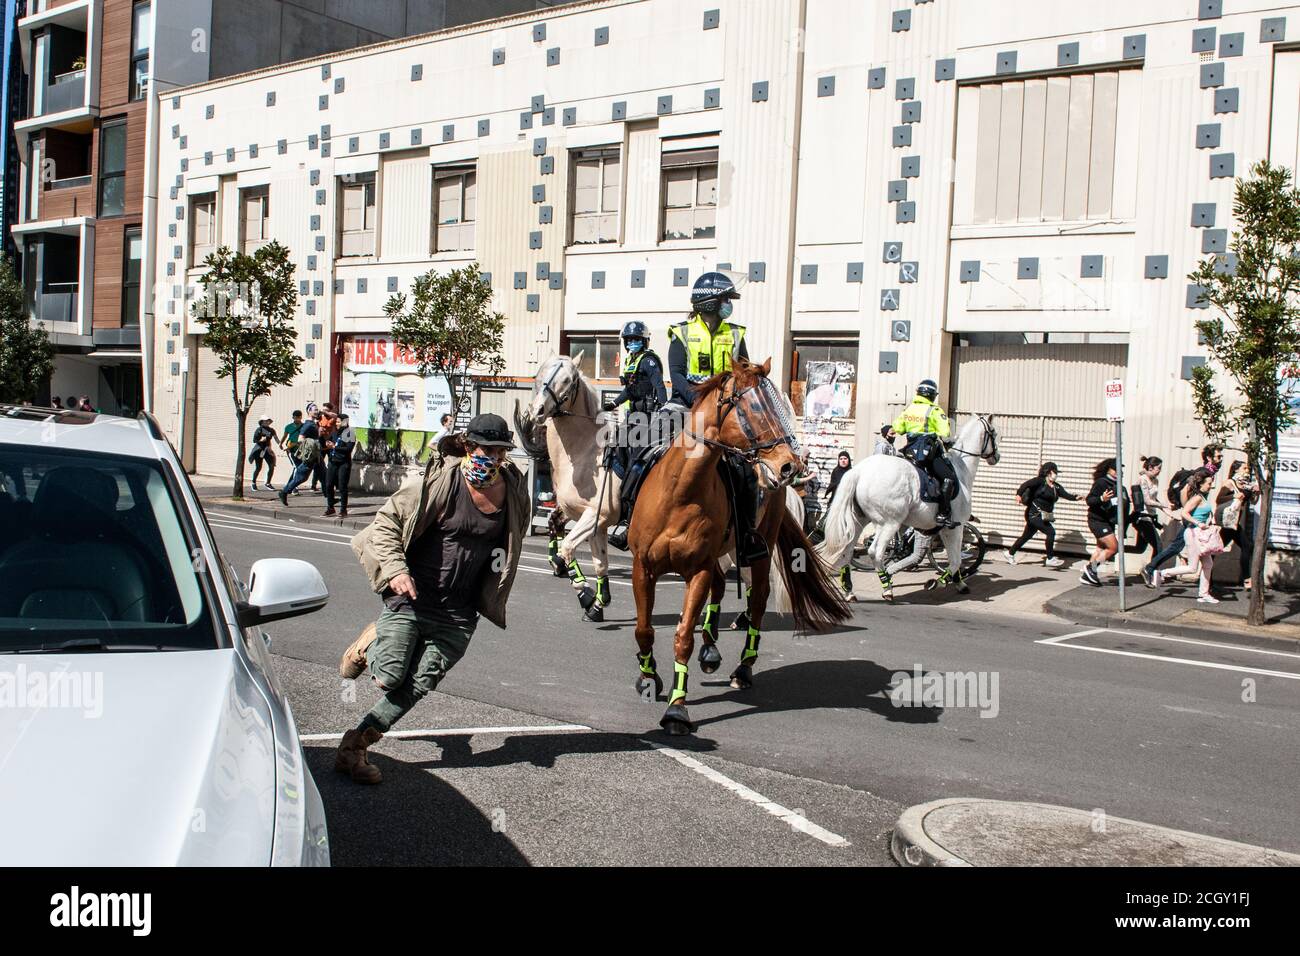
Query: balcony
{"points": [[57, 304], [66, 92]]}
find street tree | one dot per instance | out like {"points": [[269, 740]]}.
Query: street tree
{"points": [[248, 305], [26, 353], [1238, 395], [448, 326]]}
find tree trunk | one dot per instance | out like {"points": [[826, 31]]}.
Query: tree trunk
{"points": [[241, 417], [1255, 611]]}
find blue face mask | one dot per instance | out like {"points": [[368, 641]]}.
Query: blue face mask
{"points": [[725, 312], [634, 346]]}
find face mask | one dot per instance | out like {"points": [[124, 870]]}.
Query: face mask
{"points": [[480, 470], [725, 312], [635, 346]]}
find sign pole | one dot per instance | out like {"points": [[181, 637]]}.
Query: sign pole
{"points": [[1121, 531]]}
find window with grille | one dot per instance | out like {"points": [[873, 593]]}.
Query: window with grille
{"points": [[1058, 148], [203, 227], [597, 189], [254, 218], [690, 189], [455, 190], [357, 215]]}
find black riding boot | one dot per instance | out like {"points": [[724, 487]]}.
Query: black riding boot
{"points": [[750, 548], [632, 472]]}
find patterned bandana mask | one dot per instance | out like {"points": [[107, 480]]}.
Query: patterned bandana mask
{"points": [[480, 470]]}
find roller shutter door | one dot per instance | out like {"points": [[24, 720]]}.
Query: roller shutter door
{"points": [[216, 428], [1030, 390]]}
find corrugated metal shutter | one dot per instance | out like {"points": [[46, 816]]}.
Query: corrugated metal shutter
{"points": [[1005, 381], [215, 435]]}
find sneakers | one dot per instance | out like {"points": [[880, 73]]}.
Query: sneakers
{"points": [[329, 513], [255, 486], [284, 499], [1089, 576], [1207, 599], [1008, 557], [343, 513], [353, 662], [1157, 579], [1149, 578], [1053, 563]]}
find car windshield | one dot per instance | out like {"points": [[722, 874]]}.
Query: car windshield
{"points": [[95, 556]]}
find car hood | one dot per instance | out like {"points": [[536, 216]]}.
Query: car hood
{"points": [[148, 759]]}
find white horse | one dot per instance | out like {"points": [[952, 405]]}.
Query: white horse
{"points": [[585, 491], [886, 491]]}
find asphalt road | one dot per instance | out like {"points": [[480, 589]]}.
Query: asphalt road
{"points": [[811, 766]]}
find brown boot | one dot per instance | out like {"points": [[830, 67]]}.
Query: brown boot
{"points": [[351, 756], [353, 661]]}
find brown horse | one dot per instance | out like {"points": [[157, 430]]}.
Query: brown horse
{"points": [[682, 525]]}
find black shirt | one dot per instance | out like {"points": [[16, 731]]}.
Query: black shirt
{"points": [[1105, 511], [1037, 495]]}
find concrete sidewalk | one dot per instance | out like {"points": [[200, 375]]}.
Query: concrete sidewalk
{"points": [[307, 506], [970, 832]]}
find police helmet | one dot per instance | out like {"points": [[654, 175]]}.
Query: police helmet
{"points": [[928, 389], [711, 290], [636, 330]]}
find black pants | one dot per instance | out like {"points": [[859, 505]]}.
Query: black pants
{"points": [[942, 469], [337, 475], [269, 458], [1243, 536], [1148, 536], [1036, 524]]}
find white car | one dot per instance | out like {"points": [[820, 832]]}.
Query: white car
{"points": [[141, 723]]}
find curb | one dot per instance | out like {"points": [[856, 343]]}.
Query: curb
{"points": [[280, 513], [911, 846], [1122, 622]]}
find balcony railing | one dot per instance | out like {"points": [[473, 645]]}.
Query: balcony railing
{"points": [[59, 305], [67, 92]]}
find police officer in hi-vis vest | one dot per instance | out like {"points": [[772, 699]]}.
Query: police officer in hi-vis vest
{"points": [[925, 427], [642, 396], [699, 348]]}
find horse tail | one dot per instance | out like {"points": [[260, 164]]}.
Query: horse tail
{"points": [[778, 596], [527, 432], [843, 522], [815, 602]]}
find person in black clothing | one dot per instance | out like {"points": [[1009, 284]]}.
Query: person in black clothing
{"points": [[843, 467], [1103, 516], [262, 452], [338, 467], [1039, 496], [642, 396]]}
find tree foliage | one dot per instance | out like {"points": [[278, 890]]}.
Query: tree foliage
{"points": [[448, 325], [248, 306], [1256, 339], [26, 353]]}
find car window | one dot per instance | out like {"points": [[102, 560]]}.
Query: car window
{"points": [[97, 555]]}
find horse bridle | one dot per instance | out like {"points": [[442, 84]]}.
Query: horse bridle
{"points": [[569, 396], [989, 435], [731, 403]]}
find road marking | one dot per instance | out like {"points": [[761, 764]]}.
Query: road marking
{"points": [[464, 731], [796, 821], [273, 523], [1174, 640], [1212, 665], [276, 534]]}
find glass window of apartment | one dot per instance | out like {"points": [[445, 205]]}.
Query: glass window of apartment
{"points": [[1059, 148], [203, 227], [141, 22], [254, 218], [825, 383], [357, 214], [600, 354], [455, 191], [112, 168], [690, 188], [597, 189], [132, 253]]}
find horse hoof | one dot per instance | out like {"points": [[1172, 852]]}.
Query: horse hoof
{"points": [[645, 683], [558, 567], [741, 623], [931, 585], [742, 678], [595, 614], [888, 596], [963, 588], [710, 658], [676, 721]]}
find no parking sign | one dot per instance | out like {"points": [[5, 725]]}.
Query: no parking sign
{"points": [[1115, 400]]}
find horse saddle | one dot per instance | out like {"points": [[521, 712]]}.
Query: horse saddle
{"points": [[931, 487], [632, 466]]}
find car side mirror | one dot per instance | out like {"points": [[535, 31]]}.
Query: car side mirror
{"points": [[280, 588]]}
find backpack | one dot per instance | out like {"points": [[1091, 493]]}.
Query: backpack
{"points": [[1176, 484], [308, 451]]}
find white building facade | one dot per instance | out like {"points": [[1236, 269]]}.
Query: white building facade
{"points": [[1003, 195]]}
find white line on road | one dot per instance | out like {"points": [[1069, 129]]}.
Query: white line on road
{"points": [[273, 523], [1175, 640], [464, 731], [796, 821], [1213, 665], [276, 534]]}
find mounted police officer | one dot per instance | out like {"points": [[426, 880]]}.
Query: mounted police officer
{"points": [[699, 348], [925, 427]]}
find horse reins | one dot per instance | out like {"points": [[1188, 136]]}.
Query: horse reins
{"points": [[984, 422], [729, 404]]}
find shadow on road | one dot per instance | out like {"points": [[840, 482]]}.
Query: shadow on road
{"points": [[983, 589]]}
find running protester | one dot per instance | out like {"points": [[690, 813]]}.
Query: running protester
{"points": [[1103, 516], [1039, 496]]}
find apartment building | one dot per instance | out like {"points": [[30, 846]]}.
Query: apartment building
{"points": [[87, 144], [1004, 196]]}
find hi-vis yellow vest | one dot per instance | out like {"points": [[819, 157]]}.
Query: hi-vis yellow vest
{"points": [[923, 417], [707, 353]]}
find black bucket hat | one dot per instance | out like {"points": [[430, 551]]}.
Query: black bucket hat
{"points": [[490, 431]]}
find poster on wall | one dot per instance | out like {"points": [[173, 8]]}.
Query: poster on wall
{"points": [[382, 382], [437, 401], [353, 401], [1284, 527], [829, 390], [382, 392]]}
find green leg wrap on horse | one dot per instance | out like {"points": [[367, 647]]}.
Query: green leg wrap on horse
{"points": [[553, 547], [575, 572], [604, 597], [750, 653], [680, 672], [647, 663], [711, 612]]}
